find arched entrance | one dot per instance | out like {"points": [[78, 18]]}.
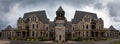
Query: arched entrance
{"points": [[60, 34]]}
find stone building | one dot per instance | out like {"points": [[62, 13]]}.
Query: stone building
{"points": [[36, 24], [8, 32]]}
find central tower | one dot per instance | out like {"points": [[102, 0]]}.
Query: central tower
{"points": [[60, 23]]}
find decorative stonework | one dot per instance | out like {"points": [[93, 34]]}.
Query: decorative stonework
{"points": [[36, 24]]}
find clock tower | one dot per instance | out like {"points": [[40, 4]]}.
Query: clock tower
{"points": [[60, 22]]}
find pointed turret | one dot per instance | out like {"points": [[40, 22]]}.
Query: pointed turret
{"points": [[60, 9], [60, 13]]}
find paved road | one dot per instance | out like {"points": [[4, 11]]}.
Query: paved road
{"points": [[70, 42], [4, 41]]}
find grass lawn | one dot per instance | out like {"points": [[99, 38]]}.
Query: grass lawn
{"points": [[116, 42]]}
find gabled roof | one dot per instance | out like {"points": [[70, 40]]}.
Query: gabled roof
{"points": [[112, 28], [80, 14], [40, 14], [8, 27]]}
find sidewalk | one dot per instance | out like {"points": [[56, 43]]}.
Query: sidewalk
{"points": [[4, 42]]}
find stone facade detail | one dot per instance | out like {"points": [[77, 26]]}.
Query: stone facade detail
{"points": [[36, 24]]}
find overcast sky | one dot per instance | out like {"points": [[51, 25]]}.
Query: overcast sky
{"points": [[108, 10]]}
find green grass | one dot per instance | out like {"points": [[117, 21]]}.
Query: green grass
{"points": [[87, 40], [116, 42]]}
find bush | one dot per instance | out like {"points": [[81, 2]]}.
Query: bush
{"points": [[42, 39], [108, 39], [13, 38], [28, 40], [78, 39]]}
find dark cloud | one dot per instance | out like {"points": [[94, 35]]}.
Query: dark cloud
{"points": [[114, 10], [3, 23], [5, 6]]}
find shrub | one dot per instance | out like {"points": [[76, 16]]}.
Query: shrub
{"points": [[42, 39], [108, 38], [78, 39], [13, 38]]}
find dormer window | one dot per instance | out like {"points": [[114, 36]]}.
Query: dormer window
{"points": [[87, 18]]}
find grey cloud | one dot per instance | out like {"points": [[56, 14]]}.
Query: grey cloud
{"points": [[79, 2], [5, 7], [98, 6], [3, 23], [114, 10]]}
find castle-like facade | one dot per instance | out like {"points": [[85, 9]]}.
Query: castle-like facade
{"points": [[36, 24]]}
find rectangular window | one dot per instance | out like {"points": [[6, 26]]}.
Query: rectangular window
{"points": [[46, 34], [37, 26], [73, 28], [47, 28], [33, 26]]}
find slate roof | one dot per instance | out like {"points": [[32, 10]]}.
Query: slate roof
{"points": [[80, 14], [8, 27], [60, 9], [40, 14], [51, 24], [112, 28]]}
